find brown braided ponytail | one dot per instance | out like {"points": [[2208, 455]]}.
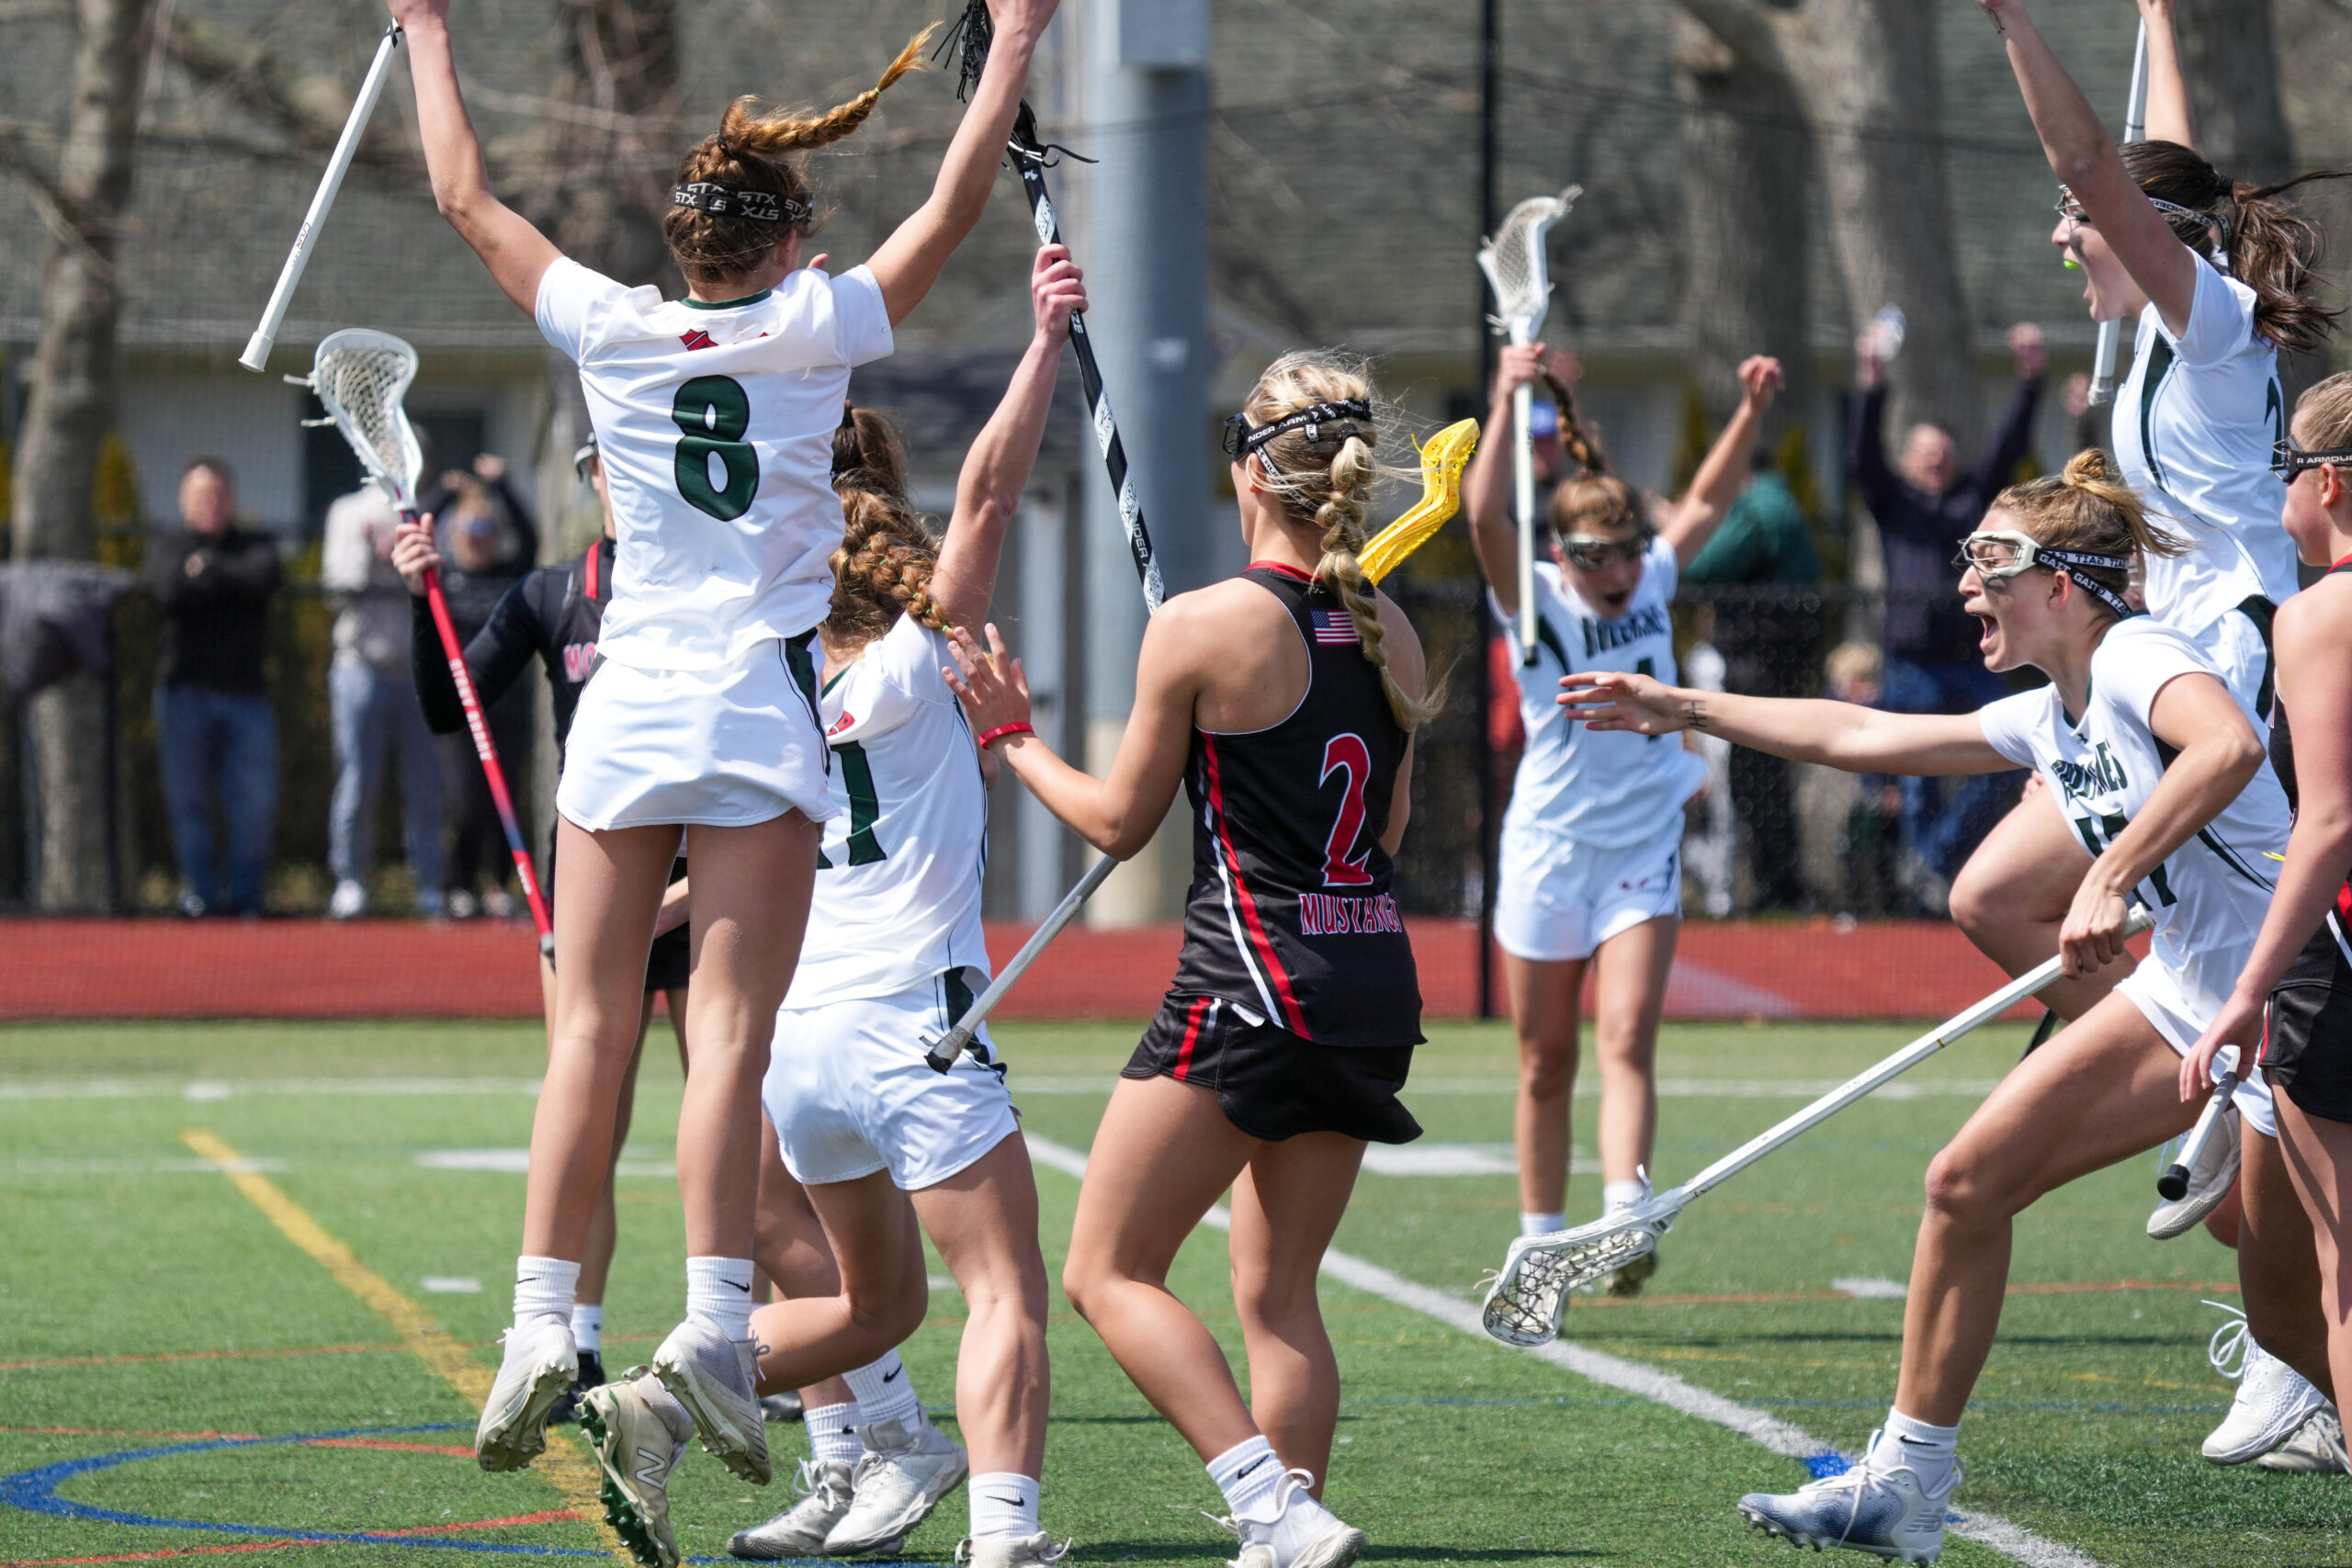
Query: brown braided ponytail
{"points": [[2264, 242], [752, 152], [1325, 475], [883, 567]]}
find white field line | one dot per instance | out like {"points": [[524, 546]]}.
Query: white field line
{"points": [[2013, 1541], [227, 1088]]}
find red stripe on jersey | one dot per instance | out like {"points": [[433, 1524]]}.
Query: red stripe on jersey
{"points": [[594, 550], [1297, 1019], [1285, 570], [1192, 1032]]}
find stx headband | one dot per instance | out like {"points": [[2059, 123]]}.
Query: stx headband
{"points": [[1241, 437], [1981, 551], [759, 206]]}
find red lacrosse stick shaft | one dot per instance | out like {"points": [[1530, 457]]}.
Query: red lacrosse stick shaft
{"points": [[488, 752]]}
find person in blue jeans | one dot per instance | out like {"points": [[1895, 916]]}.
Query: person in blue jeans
{"points": [[217, 737]]}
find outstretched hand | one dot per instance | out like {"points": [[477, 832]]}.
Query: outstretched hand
{"points": [[414, 553], [1760, 379], [989, 681], [1056, 288], [1611, 699]]}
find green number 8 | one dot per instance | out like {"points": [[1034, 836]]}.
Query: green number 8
{"points": [[714, 412]]}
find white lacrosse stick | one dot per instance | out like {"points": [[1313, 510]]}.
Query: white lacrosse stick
{"points": [[256, 355], [361, 375], [1514, 264], [1529, 1298], [2135, 129]]}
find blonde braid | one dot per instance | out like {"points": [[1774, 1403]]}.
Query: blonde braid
{"points": [[774, 133]]}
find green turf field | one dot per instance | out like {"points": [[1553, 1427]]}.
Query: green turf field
{"points": [[147, 1304]]}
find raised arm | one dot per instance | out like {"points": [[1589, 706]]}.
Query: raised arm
{"points": [[1487, 484], [2005, 449], [2167, 118], [1724, 471], [910, 261], [1844, 736], [2085, 159], [518, 255], [988, 493]]}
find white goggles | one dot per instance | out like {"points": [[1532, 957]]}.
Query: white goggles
{"points": [[2004, 552]]}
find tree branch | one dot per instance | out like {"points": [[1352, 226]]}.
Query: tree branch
{"points": [[1748, 28], [254, 85]]}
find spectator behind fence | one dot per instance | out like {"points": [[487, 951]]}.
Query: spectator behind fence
{"points": [[374, 710], [478, 539], [1856, 672], [1923, 504], [215, 733], [1766, 628], [518, 545]]}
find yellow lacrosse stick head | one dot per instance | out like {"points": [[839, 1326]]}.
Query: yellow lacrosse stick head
{"points": [[1442, 461]]}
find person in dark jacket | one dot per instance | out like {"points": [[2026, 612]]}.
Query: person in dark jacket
{"points": [[476, 537], [1924, 502], [216, 734]]}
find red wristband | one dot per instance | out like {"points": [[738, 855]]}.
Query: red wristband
{"points": [[1002, 730]]}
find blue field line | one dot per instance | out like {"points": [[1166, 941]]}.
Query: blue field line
{"points": [[2102, 1408]]}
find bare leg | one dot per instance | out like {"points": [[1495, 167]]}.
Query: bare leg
{"points": [[791, 1248], [2318, 1157], [596, 1265], [1628, 993], [1163, 1154], [2103, 1091], [1286, 1206], [2014, 893], [883, 1293], [2278, 1269], [984, 1222], [1545, 998]]}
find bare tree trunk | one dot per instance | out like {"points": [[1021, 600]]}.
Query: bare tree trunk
{"points": [[2230, 55], [66, 418]]}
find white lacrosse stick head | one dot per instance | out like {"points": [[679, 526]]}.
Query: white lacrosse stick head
{"points": [[1515, 267], [360, 376], [1529, 1299]]}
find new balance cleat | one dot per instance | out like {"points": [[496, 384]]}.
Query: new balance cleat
{"points": [[1296, 1531], [2316, 1449], [899, 1479], [640, 1431], [824, 1485], [2209, 1182], [537, 1369], [1011, 1551], [2273, 1400], [592, 1375], [1887, 1513], [717, 1378]]}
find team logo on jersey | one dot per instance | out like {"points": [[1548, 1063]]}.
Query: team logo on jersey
{"points": [[579, 658], [1339, 914], [846, 720], [1648, 621], [696, 339], [1334, 629], [2101, 776]]}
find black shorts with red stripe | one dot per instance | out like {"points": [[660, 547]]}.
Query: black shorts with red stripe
{"points": [[1271, 1083], [2307, 1029]]}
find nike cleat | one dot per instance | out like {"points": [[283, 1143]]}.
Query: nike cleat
{"points": [[2273, 1400], [537, 1369], [592, 1375], [1297, 1532], [717, 1378], [901, 1478], [1011, 1551], [2316, 1449], [800, 1530], [1885, 1512]]}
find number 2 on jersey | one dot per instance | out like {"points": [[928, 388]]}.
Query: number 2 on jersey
{"points": [[713, 413], [1346, 754]]}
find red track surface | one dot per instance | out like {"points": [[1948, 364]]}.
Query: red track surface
{"points": [[127, 969]]}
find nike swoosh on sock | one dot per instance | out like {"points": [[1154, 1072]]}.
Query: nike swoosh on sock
{"points": [[892, 1374]]}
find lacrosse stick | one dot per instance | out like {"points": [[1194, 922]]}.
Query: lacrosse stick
{"points": [[1514, 264], [361, 376], [1528, 1299], [2135, 129], [1442, 461], [2173, 1185], [256, 355]]}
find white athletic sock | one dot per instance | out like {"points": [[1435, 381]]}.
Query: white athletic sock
{"points": [[1615, 1195], [884, 1391], [1246, 1473], [832, 1433], [1532, 1223], [588, 1328], [1004, 1506], [544, 1288], [1928, 1451], [718, 1292]]}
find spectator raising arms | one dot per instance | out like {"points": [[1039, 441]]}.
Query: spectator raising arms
{"points": [[214, 728]]}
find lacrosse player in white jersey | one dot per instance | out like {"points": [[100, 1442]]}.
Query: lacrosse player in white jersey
{"points": [[1591, 873], [714, 416], [2158, 765]]}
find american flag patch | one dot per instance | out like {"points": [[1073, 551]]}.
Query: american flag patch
{"points": [[1334, 629]]}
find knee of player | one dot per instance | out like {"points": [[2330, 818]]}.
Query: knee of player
{"points": [[1961, 1185], [1976, 901], [1275, 1298], [1547, 1075], [889, 1316]]}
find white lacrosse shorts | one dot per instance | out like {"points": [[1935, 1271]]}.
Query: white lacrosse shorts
{"points": [[731, 746], [849, 1093], [2156, 992], [1558, 900]]}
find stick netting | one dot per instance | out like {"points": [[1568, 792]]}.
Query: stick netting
{"points": [[1513, 260], [1526, 1302], [361, 378]]}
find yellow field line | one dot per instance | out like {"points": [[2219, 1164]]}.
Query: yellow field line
{"points": [[572, 1471]]}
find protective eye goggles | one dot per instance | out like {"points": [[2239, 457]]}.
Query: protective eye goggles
{"points": [[1996, 553], [2072, 211], [1240, 437], [2286, 459], [1593, 553]]}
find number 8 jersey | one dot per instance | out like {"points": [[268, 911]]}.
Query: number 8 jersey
{"points": [[716, 421]]}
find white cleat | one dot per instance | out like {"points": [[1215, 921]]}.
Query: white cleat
{"points": [[1011, 1551], [2273, 1400], [1296, 1531], [640, 1431], [901, 1478], [1885, 1512], [800, 1530], [717, 1378], [538, 1368], [2209, 1182], [2316, 1449]]}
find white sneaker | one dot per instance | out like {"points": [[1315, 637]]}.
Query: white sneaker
{"points": [[1011, 1551], [901, 1478], [640, 1435], [717, 1378], [1887, 1513], [2209, 1182], [2316, 1449], [538, 1368], [1296, 1532], [800, 1530], [2273, 1400], [348, 900]]}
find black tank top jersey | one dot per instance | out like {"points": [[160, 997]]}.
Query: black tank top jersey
{"points": [[1291, 913], [555, 612], [2282, 761]]}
